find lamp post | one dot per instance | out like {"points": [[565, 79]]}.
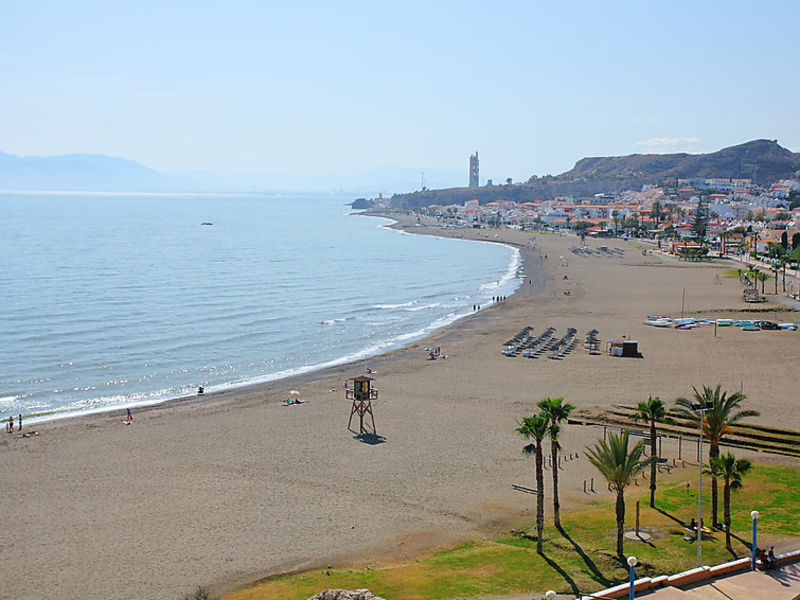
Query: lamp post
{"points": [[754, 515], [632, 563], [700, 408]]}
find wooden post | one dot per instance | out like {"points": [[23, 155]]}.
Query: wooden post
{"points": [[680, 447], [592, 485], [637, 518]]}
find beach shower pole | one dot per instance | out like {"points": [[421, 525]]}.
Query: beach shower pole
{"points": [[754, 515]]}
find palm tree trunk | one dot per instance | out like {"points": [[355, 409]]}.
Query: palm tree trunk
{"points": [[713, 452], [653, 463], [539, 498], [727, 501], [556, 504], [620, 523]]}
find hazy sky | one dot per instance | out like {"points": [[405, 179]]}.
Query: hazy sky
{"points": [[337, 87]]}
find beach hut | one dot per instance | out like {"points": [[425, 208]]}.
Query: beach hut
{"points": [[623, 348]]}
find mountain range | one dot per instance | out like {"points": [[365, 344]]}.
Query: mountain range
{"points": [[97, 172]]}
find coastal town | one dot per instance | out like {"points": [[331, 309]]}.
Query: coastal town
{"points": [[689, 217]]}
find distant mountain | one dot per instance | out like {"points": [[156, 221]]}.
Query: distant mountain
{"points": [[77, 172], [96, 172], [763, 161]]}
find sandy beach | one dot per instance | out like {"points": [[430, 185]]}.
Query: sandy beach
{"points": [[225, 489]]}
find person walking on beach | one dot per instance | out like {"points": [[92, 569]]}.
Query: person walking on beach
{"points": [[129, 416], [20, 423], [10, 426]]}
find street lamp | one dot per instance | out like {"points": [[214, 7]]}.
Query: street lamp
{"points": [[632, 563], [550, 595], [754, 515], [700, 409]]}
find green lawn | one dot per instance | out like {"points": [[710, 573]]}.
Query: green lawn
{"points": [[580, 559]]}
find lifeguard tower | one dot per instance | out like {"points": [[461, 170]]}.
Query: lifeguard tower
{"points": [[362, 394]]}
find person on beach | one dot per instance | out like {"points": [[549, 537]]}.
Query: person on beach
{"points": [[129, 416], [20, 423], [10, 426]]}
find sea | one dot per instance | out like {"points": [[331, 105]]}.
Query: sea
{"points": [[120, 300]]}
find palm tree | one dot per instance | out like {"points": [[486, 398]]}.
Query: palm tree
{"points": [[619, 466], [720, 413], [775, 270], [731, 470], [762, 277], [651, 411], [535, 428], [557, 412]]}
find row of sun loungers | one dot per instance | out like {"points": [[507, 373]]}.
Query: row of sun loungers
{"points": [[592, 343], [565, 345], [518, 343], [540, 344], [547, 344], [602, 251]]}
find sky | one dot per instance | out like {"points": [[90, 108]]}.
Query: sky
{"points": [[319, 88]]}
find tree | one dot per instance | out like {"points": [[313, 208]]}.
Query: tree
{"points": [[701, 217], [557, 411], [731, 470], [775, 269], [535, 428], [721, 413], [762, 277], [656, 212], [620, 466], [615, 217], [651, 411]]}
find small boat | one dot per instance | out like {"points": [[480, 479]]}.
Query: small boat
{"points": [[658, 321], [743, 323], [788, 326], [751, 327], [725, 322], [686, 326]]}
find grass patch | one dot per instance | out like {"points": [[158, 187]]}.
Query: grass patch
{"points": [[578, 560]]}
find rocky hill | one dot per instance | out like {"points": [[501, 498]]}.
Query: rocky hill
{"points": [[763, 161]]}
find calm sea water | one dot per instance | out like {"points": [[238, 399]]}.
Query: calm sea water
{"points": [[119, 300]]}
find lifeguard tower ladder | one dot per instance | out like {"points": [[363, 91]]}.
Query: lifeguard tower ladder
{"points": [[362, 394]]}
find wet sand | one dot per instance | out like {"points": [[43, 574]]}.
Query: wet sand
{"points": [[228, 488]]}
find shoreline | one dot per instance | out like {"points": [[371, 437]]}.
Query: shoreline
{"points": [[225, 489], [312, 372]]}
